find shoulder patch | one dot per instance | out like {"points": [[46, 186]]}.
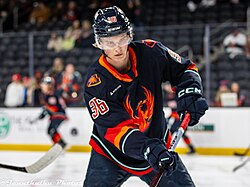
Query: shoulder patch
{"points": [[174, 55], [94, 80], [149, 43]]}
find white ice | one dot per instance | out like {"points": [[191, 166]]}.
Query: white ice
{"points": [[70, 168]]}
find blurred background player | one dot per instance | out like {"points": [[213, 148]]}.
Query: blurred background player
{"points": [[174, 119], [54, 106]]}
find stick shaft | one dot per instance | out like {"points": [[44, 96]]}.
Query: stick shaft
{"points": [[180, 132], [173, 145], [16, 168], [242, 164]]}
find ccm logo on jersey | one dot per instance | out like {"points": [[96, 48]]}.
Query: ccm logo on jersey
{"points": [[188, 91], [98, 107], [174, 55]]}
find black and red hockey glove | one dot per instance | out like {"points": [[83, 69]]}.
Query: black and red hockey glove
{"points": [[155, 152]]}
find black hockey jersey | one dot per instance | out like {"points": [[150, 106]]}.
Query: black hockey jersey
{"points": [[127, 108], [53, 105]]}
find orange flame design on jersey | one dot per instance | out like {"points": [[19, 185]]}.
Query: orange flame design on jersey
{"points": [[144, 110]]}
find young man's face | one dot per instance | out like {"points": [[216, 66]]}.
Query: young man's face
{"points": [[115, 47]]}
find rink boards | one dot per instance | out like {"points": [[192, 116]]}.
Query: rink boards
{"points": [[222, 131]]}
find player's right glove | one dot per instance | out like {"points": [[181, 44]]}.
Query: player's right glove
{"points": [[158, 156], [195, 105], [189, 93]]}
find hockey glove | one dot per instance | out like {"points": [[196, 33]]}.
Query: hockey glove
{"points": [[189, 93], [158, 156], [195, 105]]}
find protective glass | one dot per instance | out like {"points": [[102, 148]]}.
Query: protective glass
{"points": [[108, 43]]}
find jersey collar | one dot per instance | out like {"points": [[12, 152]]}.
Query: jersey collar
{"points": [[123, 77]]}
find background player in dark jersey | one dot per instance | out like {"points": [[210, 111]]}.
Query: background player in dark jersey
{"points": [[123, 94], [174, 119], [54, 106]]}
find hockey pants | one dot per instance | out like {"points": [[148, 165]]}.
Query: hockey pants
{"points": [[102, 172]]}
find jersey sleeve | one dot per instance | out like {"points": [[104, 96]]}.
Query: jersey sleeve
{"points": [[180, 72], [112, 122]]}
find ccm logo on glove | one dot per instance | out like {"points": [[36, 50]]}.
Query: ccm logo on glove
{"points": [[185, 91]]}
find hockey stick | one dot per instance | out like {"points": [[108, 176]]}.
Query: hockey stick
{"points": [[244, 153], [40, 164], [172, 147], [241, 165]]}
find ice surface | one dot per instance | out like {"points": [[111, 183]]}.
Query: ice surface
{"points": [[70, 168]]}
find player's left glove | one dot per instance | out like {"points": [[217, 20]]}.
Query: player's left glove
{"points": [[155, 152]]}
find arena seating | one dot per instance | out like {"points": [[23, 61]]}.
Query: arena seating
{"points": [[176, 12], [225, 68], [176, 26]]}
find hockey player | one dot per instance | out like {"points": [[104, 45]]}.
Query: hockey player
{"points": [[123, 94], [54, 106]]}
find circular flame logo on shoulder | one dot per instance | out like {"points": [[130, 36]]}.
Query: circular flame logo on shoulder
{"points": [[94, 80]]}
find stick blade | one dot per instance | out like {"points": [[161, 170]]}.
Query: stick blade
{"points": [[46, 160]]}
